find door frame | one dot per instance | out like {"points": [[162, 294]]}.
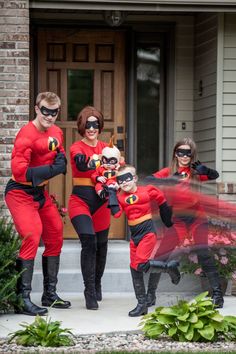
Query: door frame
{"points": [[166, 37]]}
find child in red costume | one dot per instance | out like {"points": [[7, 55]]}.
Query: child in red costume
{"points": [[189, 215], [104, 176], [88, 212], [38, 155], [136, 201]]}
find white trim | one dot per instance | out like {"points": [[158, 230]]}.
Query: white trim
{"points": [[219, 93]]}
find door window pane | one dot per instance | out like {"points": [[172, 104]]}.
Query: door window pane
{"points": [[148, 96], [80, 91]]}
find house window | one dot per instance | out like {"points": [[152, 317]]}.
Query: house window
{"points": [[80, 91], [148, 103]]}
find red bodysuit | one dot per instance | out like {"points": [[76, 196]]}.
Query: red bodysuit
{"points": [[84, 200], [109, 174], [188, 214], [32, 210], [137, 207]]}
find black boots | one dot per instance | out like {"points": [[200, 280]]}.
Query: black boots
{"points": [[152, 287], [50, 271], [88, 267], [101, 256], [24, 288], [217, 295], [140, 293], [170, 267], [207, 263]]}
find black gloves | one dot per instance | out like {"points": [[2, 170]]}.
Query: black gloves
{"points": [[166, 214], [39, 174], [170, 181], [104, 193], [113, 203], [82, 163], [204, 170]]}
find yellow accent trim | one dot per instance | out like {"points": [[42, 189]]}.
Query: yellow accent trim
{"points": [[30, 183], [139, 220], [79, 181]]}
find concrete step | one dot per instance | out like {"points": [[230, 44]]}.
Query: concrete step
{"points": [[117, 255], [116, 279]]}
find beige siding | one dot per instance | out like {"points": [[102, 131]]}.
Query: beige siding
{"points": [[184, 77], [205, 76], [229, 100]]}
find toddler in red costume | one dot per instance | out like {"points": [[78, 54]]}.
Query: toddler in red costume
{"points": [[136, 201]]}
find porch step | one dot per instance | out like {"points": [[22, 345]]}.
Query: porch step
{"points": [[116, 278]]}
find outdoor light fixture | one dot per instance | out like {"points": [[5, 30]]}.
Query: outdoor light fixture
{"points": [[114, 18]]}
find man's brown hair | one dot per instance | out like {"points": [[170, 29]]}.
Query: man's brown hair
{"points": [[50, 97]]}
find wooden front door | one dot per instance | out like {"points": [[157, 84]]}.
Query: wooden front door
{"points": [[84, 67]]}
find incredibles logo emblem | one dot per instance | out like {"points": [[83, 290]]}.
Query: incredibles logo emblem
{"points": [[131, 199], [184, 175], [109, 174], [52, 143]]}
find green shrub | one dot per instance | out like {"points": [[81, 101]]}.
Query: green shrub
{"points": [[9, 247], [43, 332], [193, 321]]}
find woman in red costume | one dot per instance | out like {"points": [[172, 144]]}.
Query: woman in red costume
{"points": [[37, 156], [189, 215], [136, 201], [88, 212]]}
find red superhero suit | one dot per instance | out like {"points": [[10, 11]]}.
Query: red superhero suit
{"points": [[191, 215], [137, 207], [88, 213], [37, 156], [110, 176]]}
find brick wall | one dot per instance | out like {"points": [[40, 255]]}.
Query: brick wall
{"points": [[14, 79]]}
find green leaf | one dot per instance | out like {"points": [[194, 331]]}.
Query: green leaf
{"points": [[207, 332], [217, 317], [169, 311], [183, 326], [198, 324], [193, 318], [165, 319], [172, 331]]}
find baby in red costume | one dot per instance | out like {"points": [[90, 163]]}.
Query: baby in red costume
{"points": [[105, 175], [135, 201], [38, 155]]}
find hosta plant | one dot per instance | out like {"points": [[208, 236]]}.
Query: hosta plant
{"points": [[42, 332], [193, 321]]}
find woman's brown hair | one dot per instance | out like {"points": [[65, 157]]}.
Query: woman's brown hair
{"points": [[84, 114]]}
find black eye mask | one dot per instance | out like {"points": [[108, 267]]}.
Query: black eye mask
{"points": [[111, 161], [94, 124], [183, 152], [49, 112], [126, 177]]}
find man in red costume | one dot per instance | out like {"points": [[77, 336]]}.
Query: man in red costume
{"points": [[136, 201], [38, 155]]}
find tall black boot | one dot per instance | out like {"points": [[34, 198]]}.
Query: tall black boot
{"points": [[88, 268], [50, 272], [24, 288], [140, 293], [170, 267], [153, 281], [209, 268], [101, 256], [217, 296]]}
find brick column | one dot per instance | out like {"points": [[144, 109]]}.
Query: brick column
{"points": [[14, 79]]}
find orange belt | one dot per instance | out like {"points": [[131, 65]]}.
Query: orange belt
{"points": [[30, 183], [83, 182], [139, 220]]}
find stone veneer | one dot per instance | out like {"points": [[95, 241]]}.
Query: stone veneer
{"points": [[14, 79]]}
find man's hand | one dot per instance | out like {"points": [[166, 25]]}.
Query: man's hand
{"points": [[101, 179]]}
